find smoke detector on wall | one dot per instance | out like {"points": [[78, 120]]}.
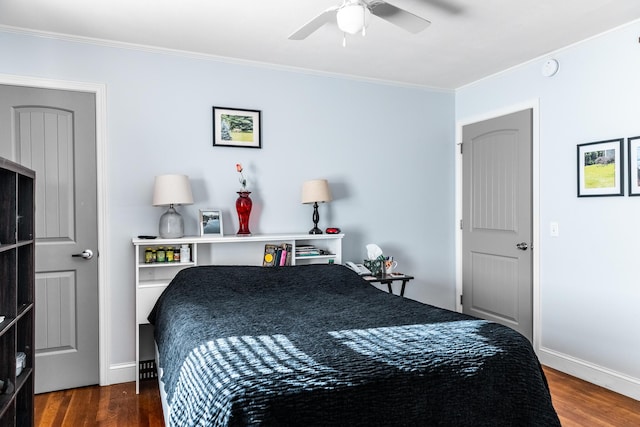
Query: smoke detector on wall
{"points": [[550, 67]]}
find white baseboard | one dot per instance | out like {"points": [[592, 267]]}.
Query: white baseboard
{"points": [[615, 381], [595, 374], [121, 373]]}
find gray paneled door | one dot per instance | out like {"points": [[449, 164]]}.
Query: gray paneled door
{"points": [[497, 260], [54, 133]]}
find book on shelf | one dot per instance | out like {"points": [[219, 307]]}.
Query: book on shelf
{"points": [[277, 255], [289, 251], [284, 257], [269, 258]]}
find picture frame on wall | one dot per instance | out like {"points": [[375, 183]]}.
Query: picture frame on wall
{"points": [[233, 127], [601, 168], [211, 222], [633, 153]]}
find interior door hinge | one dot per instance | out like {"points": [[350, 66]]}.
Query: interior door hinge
{"points": [[461, 225], [460, 299], [460, 144]]}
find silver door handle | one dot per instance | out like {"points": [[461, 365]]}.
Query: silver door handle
{"points": [[86, 254], [522, 246]]}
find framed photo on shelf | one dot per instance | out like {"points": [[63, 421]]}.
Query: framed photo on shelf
{"points": [[210, 222], [601, 168], [633, 152], [233, 127]]}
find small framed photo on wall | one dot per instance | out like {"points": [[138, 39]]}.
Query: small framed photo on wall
{"points": [[600, 168], [633, 152], [233, 127], [210, 222]]}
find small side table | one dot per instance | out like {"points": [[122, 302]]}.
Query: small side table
{"points": [[387, 279]]}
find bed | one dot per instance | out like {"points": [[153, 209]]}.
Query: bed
{"points": [[317, 345]]}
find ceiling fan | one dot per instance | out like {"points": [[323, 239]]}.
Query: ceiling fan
{"points": [[353, 16]]}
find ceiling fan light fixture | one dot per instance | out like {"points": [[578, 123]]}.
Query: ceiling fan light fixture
{"points": [[353, 18]]}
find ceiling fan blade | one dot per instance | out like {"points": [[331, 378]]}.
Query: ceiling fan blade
{"points": [[317, 22], [400, 17]]}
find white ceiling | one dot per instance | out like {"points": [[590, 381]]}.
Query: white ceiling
{"points": [[467, 40]]}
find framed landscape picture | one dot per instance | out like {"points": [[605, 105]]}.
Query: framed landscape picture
{"points": [[210, 222], [633, 152], [233, 127], [600, 168]]}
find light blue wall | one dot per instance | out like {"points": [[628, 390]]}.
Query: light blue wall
{"points": [[589, 285], [386, 151], [388, 154]]}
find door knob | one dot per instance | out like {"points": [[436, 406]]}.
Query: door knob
{"points": [[86, 254], [522, 246]]}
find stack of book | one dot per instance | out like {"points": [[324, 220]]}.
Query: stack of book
{"points": [[277, 255], [307, 250]]}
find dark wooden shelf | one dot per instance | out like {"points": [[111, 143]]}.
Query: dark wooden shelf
{"points": [[17, 278]]}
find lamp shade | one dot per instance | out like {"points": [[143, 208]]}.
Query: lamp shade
{"points": [[316, 190], [172, 190], [352, 18]]}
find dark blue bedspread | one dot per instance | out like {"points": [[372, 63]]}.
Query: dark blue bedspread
{"points": [[317, 345]]}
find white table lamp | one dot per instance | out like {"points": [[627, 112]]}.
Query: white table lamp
{"points": [[316, 191], [170, 190]]}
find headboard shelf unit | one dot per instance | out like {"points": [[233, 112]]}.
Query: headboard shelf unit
{"points": [[151, 278]]}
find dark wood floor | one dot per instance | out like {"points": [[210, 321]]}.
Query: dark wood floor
{"points": [[116, 405], [577, 402]]}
